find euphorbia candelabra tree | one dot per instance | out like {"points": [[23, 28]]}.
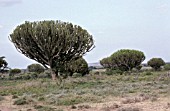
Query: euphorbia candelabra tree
{"points": [[52, 43]]}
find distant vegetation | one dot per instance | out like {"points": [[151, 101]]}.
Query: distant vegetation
{"points": [[123, 60], [12, 72], [156, 63], [35, 68]]}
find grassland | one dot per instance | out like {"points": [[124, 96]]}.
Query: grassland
{"points": [[144, 91]]}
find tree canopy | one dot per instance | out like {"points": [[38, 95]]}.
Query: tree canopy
{"points": [[124, 60], [106, 62], [35, 68], [52, 43], [156, 63]]}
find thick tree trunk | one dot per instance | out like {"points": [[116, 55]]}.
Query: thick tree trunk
{"points": [[53, 75]]}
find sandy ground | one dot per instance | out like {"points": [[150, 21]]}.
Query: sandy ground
{"points": [[114, 104]]}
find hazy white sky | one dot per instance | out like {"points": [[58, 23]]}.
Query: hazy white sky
{"points": [[115, 24]]}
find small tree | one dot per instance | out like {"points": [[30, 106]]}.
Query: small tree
{"points": [[52, 43], [35, 68], [80, 66], [156, 63], [3, 64], [126, 60], [12, 72]]}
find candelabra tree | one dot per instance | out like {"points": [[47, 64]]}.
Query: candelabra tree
{"points": [[52, 43]]}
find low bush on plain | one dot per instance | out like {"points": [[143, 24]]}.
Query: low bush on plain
{"points": [[36, 68], [12, 72]]}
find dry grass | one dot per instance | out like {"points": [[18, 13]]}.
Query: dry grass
{"points": [[116, 91]]}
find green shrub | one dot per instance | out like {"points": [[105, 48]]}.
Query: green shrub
{"points": [[77, 66], [35, 68], [33, 75], [148, 73], [156, 63], [12, 72], [113, 71], [167, 67], [18, 77], [26, 77], [45, 74], [126, 59]]}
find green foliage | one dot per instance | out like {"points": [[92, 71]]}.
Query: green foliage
{"points": [[156, 63], [113, 71], [167, 67], [3, 64], [124, 60], [25, 76], [106, 62], [45, 74], [12, 72], [148, 73], [52, 43], [35, 68], [78, 66]]}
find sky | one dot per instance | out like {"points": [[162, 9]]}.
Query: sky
{"points": [[115, 24]]}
